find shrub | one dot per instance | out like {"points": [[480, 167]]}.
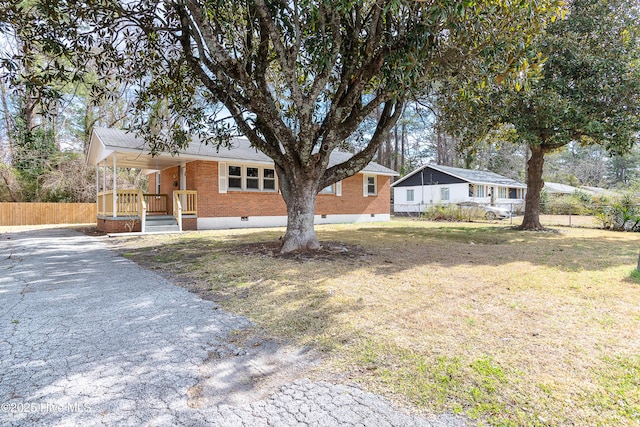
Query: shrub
{"points": [[452, 213], [565, 205], [625, 215], [603, 217]]}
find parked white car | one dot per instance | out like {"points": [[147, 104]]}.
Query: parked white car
{"points": [[490, 212]]}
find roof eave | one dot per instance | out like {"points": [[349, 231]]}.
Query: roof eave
{"points": [[408, 176], [364, 171], [98, 150]]}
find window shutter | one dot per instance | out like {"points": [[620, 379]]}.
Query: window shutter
{"points": [[222, 177], [339, 188], [365, 191]]}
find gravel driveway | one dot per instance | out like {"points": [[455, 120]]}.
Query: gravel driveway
{"points": [[90, 338]]}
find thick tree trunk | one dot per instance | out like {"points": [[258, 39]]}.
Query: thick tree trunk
{"points": [[535, 164], [300, 197]]}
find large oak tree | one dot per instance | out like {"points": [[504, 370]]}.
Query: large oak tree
{"points": [[588, 91], [296, 77]]}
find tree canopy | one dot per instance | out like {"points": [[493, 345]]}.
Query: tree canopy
{"points": [[295, 77], [588, 90]]}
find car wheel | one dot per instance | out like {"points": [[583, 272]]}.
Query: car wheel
{"points": [[490, 216]]}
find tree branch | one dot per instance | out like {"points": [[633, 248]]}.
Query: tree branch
{"points": [[388, 118]]}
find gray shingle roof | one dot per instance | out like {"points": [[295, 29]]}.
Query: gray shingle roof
{"points": [[240, 150], [479, 177], [557, 188], [469, 175]]}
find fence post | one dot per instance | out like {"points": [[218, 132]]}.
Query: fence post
{"points": [[570, 210]]}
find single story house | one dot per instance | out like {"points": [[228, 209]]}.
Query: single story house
{"points": [[599, 192], [437, 185], [559, 190], [202, 187]]}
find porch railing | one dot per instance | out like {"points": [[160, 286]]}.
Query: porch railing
{"points": [[127, 203], [134, 203], [188, 200], [177, 209], [156, 203]]}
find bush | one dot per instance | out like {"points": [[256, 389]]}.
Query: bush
{"points": [[603, 216], [453, 213], [566, 205], [625, 215]]}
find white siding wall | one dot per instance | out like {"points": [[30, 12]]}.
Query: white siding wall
{"points": [[428, 195], [457, 193]]}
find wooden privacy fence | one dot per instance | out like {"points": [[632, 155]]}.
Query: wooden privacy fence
{"points": [[12, 214]]}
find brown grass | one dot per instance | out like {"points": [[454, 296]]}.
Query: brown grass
{"points": [[507, 327]]}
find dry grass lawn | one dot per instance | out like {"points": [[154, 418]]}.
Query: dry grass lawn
{"points": [[506, 327]]}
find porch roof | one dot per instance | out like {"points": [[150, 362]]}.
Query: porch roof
{"points": [[133, 152]]}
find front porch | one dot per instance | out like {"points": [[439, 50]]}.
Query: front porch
{"points": [[121, 211], [171, 208]]}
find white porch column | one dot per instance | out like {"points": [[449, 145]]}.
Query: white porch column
{"points": [[104, 185], [183, 177], [97, 188], [183, 185], [115, 189]]}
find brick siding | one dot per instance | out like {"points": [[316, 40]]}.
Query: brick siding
{"points": [[189, 224], [202, 176], [107, 225]]}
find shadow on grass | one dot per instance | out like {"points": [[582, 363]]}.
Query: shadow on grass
{"points": [[243, 269], [388, 250], [292, 296], [494, 246], [245, 275]]}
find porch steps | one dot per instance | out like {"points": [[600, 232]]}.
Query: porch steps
{"points": [[161, 223]]}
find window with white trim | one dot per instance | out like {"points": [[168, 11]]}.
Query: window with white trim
{"points": [[444, 193], [502, 192], [235, 177], [370, 185], [268, 179], [410, 195], [331, 189], [479, 190], [251, 178]]}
